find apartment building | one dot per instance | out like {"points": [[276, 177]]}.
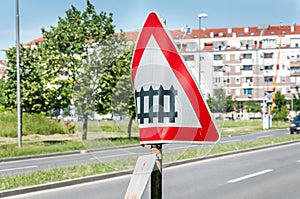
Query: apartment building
{"points": [[248, 62]]}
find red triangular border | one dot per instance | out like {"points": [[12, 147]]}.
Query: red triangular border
{"points": [[209, 132]]}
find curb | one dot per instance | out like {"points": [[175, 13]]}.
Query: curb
{"points": [[65, 183]]}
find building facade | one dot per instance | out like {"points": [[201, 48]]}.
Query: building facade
{"points": [[249, 63]]}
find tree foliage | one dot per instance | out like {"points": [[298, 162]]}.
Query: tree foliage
{"points": [[36, 95], [253, 106], [80, 61], [219, 103], [280, 110]]}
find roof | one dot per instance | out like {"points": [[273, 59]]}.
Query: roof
{"points": [[214, 33], [2, 63], [34, 42]]}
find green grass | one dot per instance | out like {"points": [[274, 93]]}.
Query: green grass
{"points": [[31, 124], [231, 127], [55, 146], [42, 177], [119, 126]]}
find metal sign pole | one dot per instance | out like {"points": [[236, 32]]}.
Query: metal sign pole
{"points": [[19, 110], [156, 175]]}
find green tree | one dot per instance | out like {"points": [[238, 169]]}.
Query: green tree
{"points": [[122, 94], [34, 89], [65, 47], [296, 101], [280, 109], [48, 71], [230, 104], [103, 68], [220, 103], [253, 106]]}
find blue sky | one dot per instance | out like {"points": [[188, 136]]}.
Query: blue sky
{"points": [[129, 15]]}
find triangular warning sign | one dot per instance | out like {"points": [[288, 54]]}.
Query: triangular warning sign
{"points": [[170, 106]]}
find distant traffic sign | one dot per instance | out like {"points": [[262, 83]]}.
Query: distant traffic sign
{"points": [[170, 106]]}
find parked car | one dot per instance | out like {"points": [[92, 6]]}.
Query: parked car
{"points": [[295, 125]]}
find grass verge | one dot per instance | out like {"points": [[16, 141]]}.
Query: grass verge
{"points": [[53, 175], [55, 146]]}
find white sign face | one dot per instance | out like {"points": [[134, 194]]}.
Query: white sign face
{"points": [[155, 73], [141, 175]]}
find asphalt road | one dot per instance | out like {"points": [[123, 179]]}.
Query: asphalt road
{"points": [[268, 173], [11, 168]]}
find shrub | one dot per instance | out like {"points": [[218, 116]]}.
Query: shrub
{"points": [[31, 124]]}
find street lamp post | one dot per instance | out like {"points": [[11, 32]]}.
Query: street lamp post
{"points": [[200, 16], [262, 28], [18, 77]]}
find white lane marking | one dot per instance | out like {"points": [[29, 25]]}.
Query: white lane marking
{"points": [[228, 141], [64, 156], [249, 176], [19, 168], [110, 156], [264, 136]]}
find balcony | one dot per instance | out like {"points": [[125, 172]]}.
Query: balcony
{"points": [[247, 85], [218, 62], [268, 73], [295, 72], [247, 62]]}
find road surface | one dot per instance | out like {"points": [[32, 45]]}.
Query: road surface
{"points": [[11, 168], [268, 173]]}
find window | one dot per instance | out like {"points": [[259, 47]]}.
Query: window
{"points": [[247, 91], [247, 80], [188, 57], [218, 68], [227, 80], [247, 67], [228, 91], [237, 92], [268, 55], [237, 80], [227, 68], [191, 46], [268, 67], [237, 69], [268, 79], [217, 57], [247, 56], [217, 80]]}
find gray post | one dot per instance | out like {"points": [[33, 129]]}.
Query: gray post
{"points": [[19, 111], [156, 175]]}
